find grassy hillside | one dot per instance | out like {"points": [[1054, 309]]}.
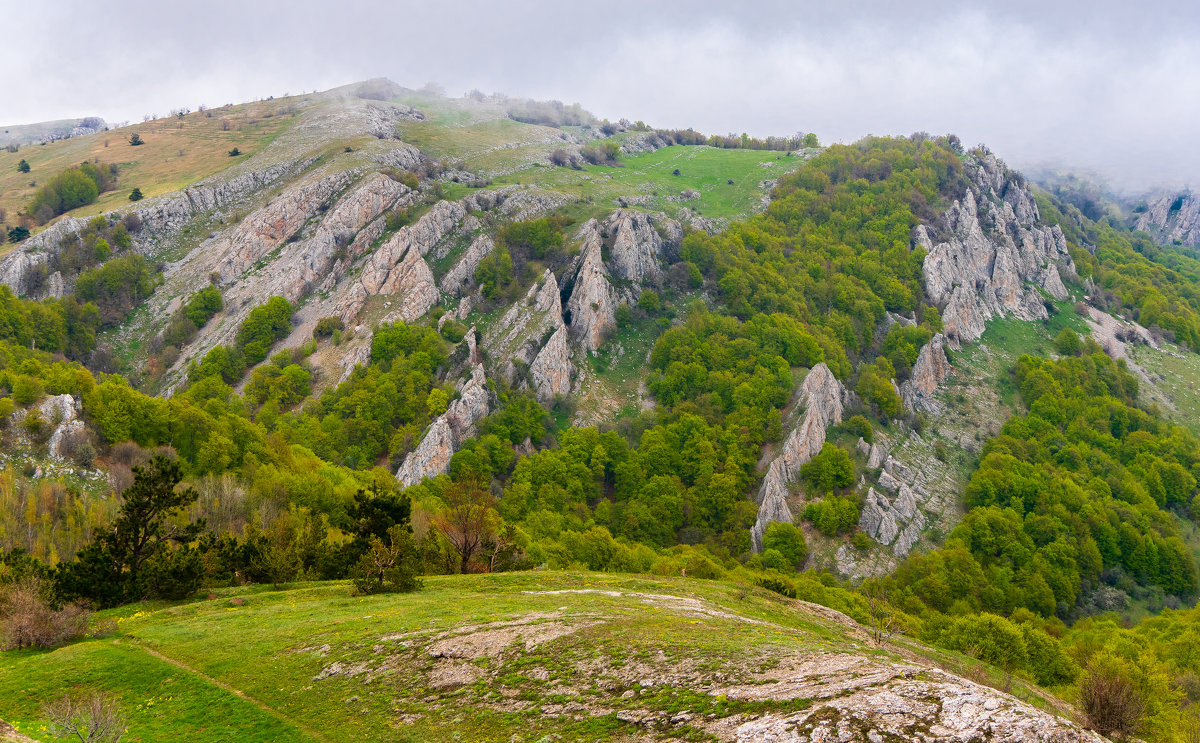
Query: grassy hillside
{"points": [[480, 135], [483, 658], [176, 153]]}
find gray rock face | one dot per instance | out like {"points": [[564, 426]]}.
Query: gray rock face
{"points": [[1171, 217], [447, 432], [398, 267], [592, 305], [930, 370], [61, 412], [525, 334], [986, 256], [637, 249], [266, 228], [552, 370], [894, 520], [821, 395], [458, 278]]}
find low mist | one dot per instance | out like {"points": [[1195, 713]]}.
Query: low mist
{"points": [[1106, 88]]}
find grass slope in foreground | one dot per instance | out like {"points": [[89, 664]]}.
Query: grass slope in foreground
{"points": [[502, 657]]}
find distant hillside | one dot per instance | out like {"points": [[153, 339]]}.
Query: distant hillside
{"points": [[49, 131]]}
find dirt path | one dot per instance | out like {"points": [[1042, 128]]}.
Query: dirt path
{"points": [[232, 690]]}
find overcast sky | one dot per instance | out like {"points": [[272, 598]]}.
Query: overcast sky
{"points": [[1111, 87]]}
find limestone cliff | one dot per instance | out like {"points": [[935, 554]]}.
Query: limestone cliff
{"points": [[1172, 217], [637, 249], [552, 371], [533, 335], [592, 306], [821, 396], [987, 255], [448, 431], [930, 370], [892, 515]]}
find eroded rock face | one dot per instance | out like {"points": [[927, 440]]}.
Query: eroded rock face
{"points": [[637, 249], [267, 227], [460, 277], [930, 370], [987, 256], [61, 412], [517, 339], [448, 431], [821, 394], [1171, 217], [892, 515], [592, 305], [420, 237], [552, 370], [892, 701]]}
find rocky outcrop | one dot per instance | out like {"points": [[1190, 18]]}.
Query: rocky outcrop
{"points": [[458, 278], [637, 249], [552, 371], [987, 256], [321, 258], [398, 267], [886, 519], [269, 226], [930, 370], [532, 333], [821, 396], [1172, 217], [447, 432], [60, 414], [892, 515], [859, 700], [592, 306]]}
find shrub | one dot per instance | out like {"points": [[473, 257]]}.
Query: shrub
{"points": [[203, 305], [136, 195], [558, 157], [135, 139], [68, 190], [28, 618], [27, 390], [327, 326], [830, 470], [93, 718], [1111, 702], [267, 323], [18, 233], [860, 425], [1067, 342], [22, 167], [235, 152], [788, 541]]}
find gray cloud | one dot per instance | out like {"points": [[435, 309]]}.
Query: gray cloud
{"points": [[1104, 86]]}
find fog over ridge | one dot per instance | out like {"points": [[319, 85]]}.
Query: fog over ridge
{"points": [[1099, 86]]}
